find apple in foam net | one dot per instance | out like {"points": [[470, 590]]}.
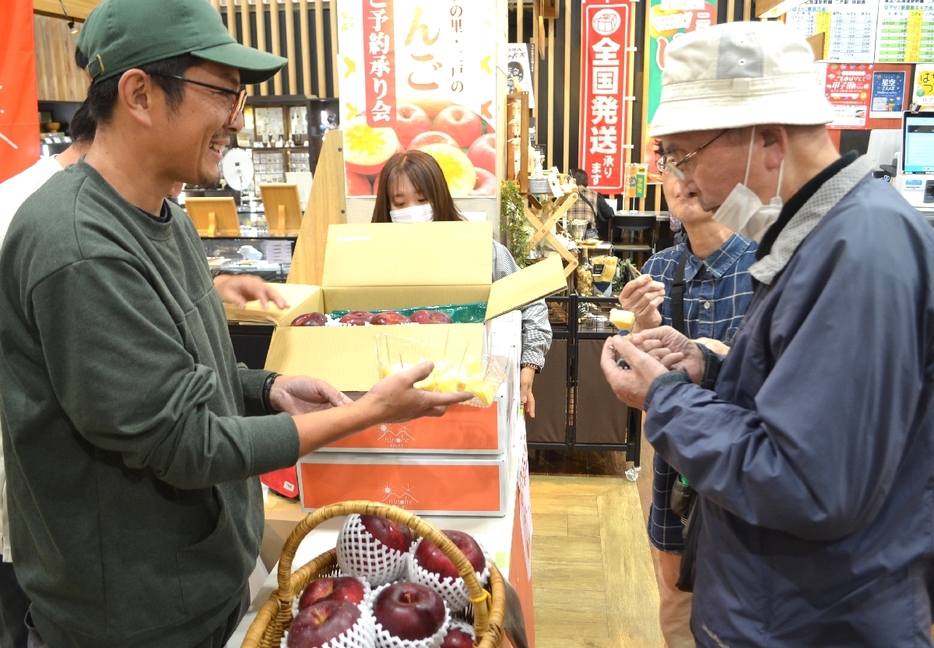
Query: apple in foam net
{"points": [[411, 120], [432, 559], [431, 317], [392, 534], [319, 623], [310, 319], [334, 588], [461, 123], [388, 318], [482, 152], [357, 318], [431, 137], [409, 611], [457, 638]]}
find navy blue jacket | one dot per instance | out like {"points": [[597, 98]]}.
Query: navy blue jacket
{"points": [[814, 450]]}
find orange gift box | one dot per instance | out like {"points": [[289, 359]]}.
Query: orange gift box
{"points": [[463, 429], [422, 484]]}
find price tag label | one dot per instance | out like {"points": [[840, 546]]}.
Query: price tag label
{"points": [[279, 252]]}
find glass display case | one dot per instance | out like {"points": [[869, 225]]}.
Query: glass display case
{"points": [[268, 257], [285, 133]]}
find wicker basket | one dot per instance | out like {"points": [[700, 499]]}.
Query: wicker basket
{"points": [[273, 619]]}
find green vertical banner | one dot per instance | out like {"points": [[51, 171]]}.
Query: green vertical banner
{"points": [[669, 19]]}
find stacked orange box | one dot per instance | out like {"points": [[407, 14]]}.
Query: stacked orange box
{"points": [[453, 465]]}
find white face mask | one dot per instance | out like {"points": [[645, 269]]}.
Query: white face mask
{"points": [[743, 212], [415, 214]]}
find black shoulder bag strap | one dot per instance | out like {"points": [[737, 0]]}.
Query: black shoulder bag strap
{"points": [[677, 296], [683, 497]]}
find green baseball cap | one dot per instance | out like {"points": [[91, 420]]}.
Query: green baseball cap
{"points": [[123, 34]]}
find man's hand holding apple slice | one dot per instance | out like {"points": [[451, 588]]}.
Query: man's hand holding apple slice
{"points": [[392, 399]]}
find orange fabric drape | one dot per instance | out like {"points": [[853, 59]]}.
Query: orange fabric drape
{"points": [[19, 101]]}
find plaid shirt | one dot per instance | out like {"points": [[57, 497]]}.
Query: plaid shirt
{"points": [[536, 330], [717, 291]]}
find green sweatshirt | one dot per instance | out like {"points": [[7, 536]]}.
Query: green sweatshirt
{"points": [[132, 438]]}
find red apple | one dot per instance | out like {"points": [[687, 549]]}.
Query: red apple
{"points": [[335, 588], [316, 625], [457, 638], [461, 123], [431, 317], [358, 185], [392, 534], [310, 319], [357, 318], [409, 611], [432, 559], [482, 152], [389, 317], [410, 121], [431, 137], [486, 184]]}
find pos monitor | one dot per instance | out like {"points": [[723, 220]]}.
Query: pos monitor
{"points": [[918, 142]]}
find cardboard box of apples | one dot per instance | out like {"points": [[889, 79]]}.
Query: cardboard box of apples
{"points": [[386, 266], [393, 581]]}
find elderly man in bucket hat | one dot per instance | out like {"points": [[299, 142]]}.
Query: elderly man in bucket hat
{"points": [[811, 443], [132, 438]]}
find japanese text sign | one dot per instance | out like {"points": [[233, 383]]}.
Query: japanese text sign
{"points": [[604, 84], [419, 75]]}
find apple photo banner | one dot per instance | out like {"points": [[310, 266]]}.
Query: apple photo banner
{"points": [[604, 82], [19, 102], [667, 21], [419, 76]]}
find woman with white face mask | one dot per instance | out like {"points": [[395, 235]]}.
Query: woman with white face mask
{"points": [[411, 188]]}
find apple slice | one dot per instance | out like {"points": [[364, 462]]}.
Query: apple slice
{"points": [[366, 149], [622, 319], [457, 167]]}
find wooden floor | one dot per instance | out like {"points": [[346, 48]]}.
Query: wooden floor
{"points": [[594, 584]]}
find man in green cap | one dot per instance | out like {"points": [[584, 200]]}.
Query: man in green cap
{"points": [[132, 439]]}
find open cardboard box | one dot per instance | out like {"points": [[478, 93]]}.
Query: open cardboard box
{"points": [[379, 266]]}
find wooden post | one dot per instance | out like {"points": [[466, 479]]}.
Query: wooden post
{"points": [[326, 204]]}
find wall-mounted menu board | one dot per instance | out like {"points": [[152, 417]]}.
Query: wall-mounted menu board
{"points": [[867, 31], [849, 25]]}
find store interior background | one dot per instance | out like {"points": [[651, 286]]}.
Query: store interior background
{"points": [[306, 33], [594, 583]]}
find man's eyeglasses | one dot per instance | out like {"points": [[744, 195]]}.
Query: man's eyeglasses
{"points": [[665, 162], [238, 95]]}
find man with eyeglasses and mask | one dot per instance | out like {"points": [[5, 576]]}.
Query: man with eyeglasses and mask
{"points": [[811, 443], [132, 439], [701, 287]]}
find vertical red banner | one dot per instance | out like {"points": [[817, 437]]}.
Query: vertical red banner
{"points": [[379, 52], [19, 101], [604, 81]]}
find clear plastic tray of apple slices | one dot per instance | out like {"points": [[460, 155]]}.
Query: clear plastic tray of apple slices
{"points": [[456, 369], [386, 640], [452, 590], [360, 554], [362, 634]]}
